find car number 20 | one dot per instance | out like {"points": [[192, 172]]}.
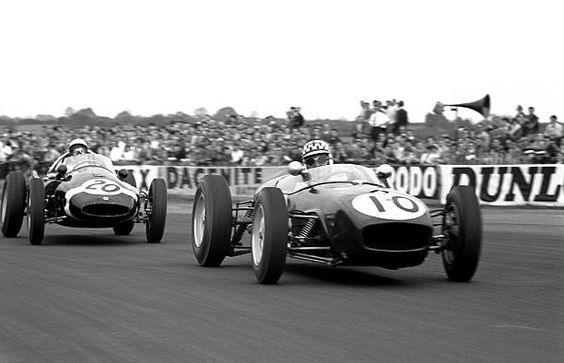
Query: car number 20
{"points": [[101, 186], [389, 205]]}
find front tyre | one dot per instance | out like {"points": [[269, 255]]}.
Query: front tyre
{"points": [[462, 226], [211, 221], [13, 204], [156, 218], [36, 211], [269, 236]]}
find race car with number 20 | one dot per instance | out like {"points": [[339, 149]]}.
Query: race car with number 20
{"points": [[82, 191], [339, 214]]}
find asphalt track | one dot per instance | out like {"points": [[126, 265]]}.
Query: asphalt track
{"points": [[86, 295]]}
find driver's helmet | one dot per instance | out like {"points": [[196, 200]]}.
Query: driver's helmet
{"points": [[316, 153], [78, 146]]}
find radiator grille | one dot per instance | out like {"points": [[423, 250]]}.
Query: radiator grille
{"points": [[397, 236], [105, 210]]}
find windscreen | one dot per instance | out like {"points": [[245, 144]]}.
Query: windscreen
{"points": [[329, 174], [88, 160]]}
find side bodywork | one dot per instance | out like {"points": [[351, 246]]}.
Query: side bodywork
{"points": [[360, 223]]}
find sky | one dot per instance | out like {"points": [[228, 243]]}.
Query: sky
{"points": [[261, 57]]}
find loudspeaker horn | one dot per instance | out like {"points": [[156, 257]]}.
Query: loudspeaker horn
{"points": [[482, 106]]}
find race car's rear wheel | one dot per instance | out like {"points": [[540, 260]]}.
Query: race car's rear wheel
{"points": [[13, 204], [211, 221], [269, 236], [36, 211], [156, 220], [125, 228], [462, 227]]}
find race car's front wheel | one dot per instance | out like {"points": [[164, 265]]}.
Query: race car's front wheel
{"points": [[13, 204], [156, 219], [462, 227], [36, 211], [211, 220], [269, 236]]}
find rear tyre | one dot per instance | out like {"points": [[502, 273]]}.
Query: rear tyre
{"points": [[269, 237], [36, 211], [462, 226], [211, 221], [125, 228], [13, 204], [156, 220]]}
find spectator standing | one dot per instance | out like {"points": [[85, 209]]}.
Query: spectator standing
{"points": [[379, 120], [401, 118], [519, 113], [390, 109], [531, 125], [362, 118], [554, 130]]}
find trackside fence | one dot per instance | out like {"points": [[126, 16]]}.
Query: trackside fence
{"points": [[500, 185]]}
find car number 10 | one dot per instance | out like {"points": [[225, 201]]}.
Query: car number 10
{"points": [[389, 205]]}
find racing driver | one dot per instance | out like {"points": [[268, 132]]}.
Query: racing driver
{"points": [[316, 153], [77, 147]]}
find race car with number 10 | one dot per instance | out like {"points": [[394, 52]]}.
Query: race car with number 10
{"points": [[339, 214]]}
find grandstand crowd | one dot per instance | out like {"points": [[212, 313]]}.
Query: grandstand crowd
{"points": [[236, 140]]}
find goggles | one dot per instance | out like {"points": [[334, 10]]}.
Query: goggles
{"points": [[78, 149], [319, 160]]}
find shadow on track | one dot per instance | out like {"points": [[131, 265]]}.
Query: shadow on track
{"points": [[98, 240], [298, 273], [345, 275]]}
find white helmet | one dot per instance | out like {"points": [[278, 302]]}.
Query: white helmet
{"points": [[316, 153], [77, 143]]}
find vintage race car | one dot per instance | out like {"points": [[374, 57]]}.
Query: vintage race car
{"points": [[82, 191], [339, 214]]}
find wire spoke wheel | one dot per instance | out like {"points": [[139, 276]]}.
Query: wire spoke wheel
{"points": [[451, 230], [199, 223], [211, 221], [269, 235], [462, 227], [257, 237]]}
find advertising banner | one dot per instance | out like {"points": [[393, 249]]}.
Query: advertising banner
{"points": [[421, 181], [504, 185], [183, 180]]}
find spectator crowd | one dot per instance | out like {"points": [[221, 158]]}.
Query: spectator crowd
{"points": [[382, 134]]}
